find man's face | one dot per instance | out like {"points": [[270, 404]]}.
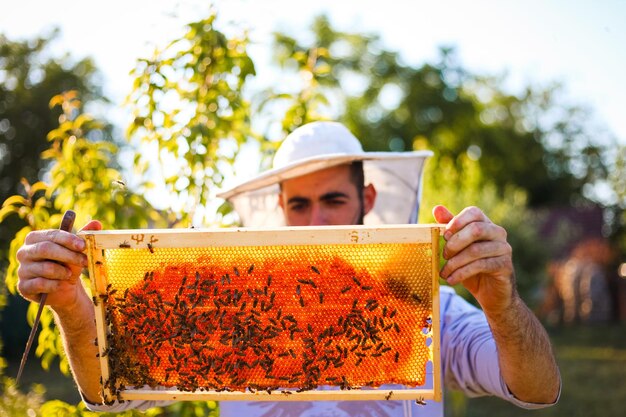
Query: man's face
{"points": [[326, 197]]}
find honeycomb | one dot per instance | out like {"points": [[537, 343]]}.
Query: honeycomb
{"points": [[267, 317]]}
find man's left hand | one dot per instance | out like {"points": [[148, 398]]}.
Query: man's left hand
{"points": [[478, 256]]}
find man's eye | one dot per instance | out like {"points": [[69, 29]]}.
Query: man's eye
{"points": [[335, 202]]}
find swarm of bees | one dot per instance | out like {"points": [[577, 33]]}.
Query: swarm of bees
{"points": [[259, 328]]}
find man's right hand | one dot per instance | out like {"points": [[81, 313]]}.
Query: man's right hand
{"points": [[51, 262]]}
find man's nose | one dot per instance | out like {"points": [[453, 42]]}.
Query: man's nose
{"points": [[319, 217]]}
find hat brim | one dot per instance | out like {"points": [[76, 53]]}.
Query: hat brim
{"points": [[313, 164]]}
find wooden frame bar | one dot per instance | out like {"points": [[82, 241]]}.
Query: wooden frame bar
{"points": [[99, 241]]}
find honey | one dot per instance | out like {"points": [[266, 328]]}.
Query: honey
{"points": [[265, 318]]}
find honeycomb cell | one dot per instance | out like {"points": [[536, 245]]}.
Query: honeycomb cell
{"points": [[267, 317]]}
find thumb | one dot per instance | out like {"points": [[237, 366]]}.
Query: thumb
{"points": [[442, 214], [76, 269], [92, 225]]}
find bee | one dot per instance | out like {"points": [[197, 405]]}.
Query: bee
{"points": [[314, 269], [150, 248], [420, 401], [124, 245], [388, 396]]}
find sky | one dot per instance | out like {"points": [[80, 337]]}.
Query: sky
{"points": [[578, 43]]}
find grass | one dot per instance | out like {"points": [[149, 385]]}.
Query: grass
{"points": [[592, 361], [57, 385]]}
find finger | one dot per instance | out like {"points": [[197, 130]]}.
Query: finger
{"points": [[59, 237], [442, 214], [466, 216], [92, 225], [491, 266], [33, 288], [477, 251], [472, 233], [51, 251], [44, 269]]}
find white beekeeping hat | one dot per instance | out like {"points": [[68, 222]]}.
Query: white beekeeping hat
{"points": [[397, 176]]}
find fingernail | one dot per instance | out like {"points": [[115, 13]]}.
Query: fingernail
{"points": [[79, 244], [447, 235]]}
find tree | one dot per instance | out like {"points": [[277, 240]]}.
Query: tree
{"points": [[504, 153], [535, 142], [188, 104], [29, 77], [617, 209], [83, 180], [206, 73]]}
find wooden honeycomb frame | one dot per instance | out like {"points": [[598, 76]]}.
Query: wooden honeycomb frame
{"points": [[141, 244]]}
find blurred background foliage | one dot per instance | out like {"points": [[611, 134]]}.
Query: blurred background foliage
{"points": [[188, 107], [193, 110]]}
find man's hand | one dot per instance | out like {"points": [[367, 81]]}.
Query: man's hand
{"points": [[51, 262], [479, 257]]}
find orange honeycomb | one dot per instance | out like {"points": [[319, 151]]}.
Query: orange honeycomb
{"points": [[268, 317]]}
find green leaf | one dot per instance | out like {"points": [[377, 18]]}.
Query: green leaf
{"points": [[225, 208], [15, 200], [38, 186], [6, 211]]}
